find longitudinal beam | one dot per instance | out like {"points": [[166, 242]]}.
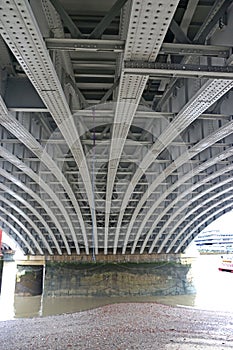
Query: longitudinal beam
{"points": [[18, 21], [210, 92], [154, 19], [16, 129], [199, 147]]}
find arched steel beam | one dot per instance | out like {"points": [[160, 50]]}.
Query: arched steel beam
{"points": [[7, 232], [193, 199], [27, 232], [195, 171], [227, 207], [24, 202], [131, 87], [34, 58], [12, 125], [4, 153], [182, 195], [192, 152], [196, 218], [29, 172], [11, 227], [27, 218], [210, 92]]}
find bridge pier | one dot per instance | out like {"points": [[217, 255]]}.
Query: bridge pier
{"points": [[109, 275], [30, 276], [7, 289], [119, 275]]}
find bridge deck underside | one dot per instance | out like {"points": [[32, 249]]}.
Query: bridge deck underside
{"points": [[115, 123]]}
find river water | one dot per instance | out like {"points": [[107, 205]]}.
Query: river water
{"points": [[214, 291]]}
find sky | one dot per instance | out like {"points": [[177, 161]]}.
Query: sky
{"points": [[224, 224]]}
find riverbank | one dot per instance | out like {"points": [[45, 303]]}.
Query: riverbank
{"points": [[128, 326]]}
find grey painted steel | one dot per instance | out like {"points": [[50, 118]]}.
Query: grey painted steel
{"points": [[85, 44], [119, 174], [186, 228], [207, 191], [185, 178], [199, 38], [40, 201], [27, 218], [210, 92], [27, 232], [132, 86], [102, 26], [188, 15], [40, 71], [68, 44], [202, 145], [29, 172], [190, 201], [180, 36], [222, 209], [66, 19], [195, 50], [29, 141], [11, 227], [177, 70]]}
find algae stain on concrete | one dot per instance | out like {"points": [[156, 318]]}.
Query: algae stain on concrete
{"points": [[117, 279]]}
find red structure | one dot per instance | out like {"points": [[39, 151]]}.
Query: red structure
{"points": [[0, 242]]}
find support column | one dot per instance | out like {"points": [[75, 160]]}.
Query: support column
{"points": [[7, 290], [29, 281]]}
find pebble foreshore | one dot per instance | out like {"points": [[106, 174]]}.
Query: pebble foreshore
{"points": [[125, 326]]}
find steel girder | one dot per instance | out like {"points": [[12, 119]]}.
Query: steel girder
{"points": [[213, 215], [102, 198], [184, 158], [198, 104], [19, 236], [154, 19], [204, 211], [36, 62], [31, 143], [194, 200], [32, 209]]}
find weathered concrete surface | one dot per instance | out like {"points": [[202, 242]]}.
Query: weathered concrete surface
{"points": [[120, 258], [119, 279], [131, 326], [29, 280]]}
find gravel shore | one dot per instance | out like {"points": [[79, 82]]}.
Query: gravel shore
{"points": [[122, 327]]}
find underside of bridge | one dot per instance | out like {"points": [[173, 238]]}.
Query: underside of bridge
{"points": [[115, 122]]}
